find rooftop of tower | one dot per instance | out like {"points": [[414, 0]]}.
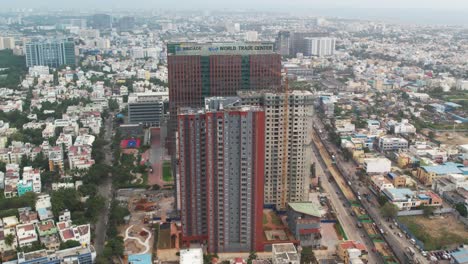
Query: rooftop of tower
{"points": [[220, 48]]}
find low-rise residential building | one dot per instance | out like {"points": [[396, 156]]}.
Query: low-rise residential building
{"points": [[450, 183], [304, 221], [427, 174], [56, 158], [7, 229], [373, 125], [27, 215], [191, 256], [344, 126], [70, 255], [285, 253], [80, 157], [48, 234], [403, 198], [403, 127], [32, 176], [377, 165], [398, 181], [84, 140], [343, 247], [81, 233], [11, 181], [380, 182], [429, 198], [24, 187], [26, 234], [49, 131], [388, 143], [44, 207], [423, 149], [65, 140]]}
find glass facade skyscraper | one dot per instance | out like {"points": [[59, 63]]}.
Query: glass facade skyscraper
{"points": [[52, 53]]}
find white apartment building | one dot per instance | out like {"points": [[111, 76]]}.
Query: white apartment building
{"points": [[287, 151], [285, 253], [81, 233], [7, 43], [32, 176], [377, 165], [320, 46], [392, 143], [26, 234], [462, 85]]}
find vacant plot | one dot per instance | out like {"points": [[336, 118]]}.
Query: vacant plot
{"points": [[452, 138], [164, 239], [271, 221], [167, 173], [437, 233]]}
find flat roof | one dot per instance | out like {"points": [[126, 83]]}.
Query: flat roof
{"points": [[308, 208], [446, 168], [191, 255], [399, 193]]}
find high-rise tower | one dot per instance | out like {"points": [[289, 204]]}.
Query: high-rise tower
{"points": [[221, 158], [197, 71]]}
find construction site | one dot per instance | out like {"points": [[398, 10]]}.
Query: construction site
{"points": [[149, 228]]}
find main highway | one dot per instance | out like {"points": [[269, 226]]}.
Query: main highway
{"points": [[347, 169], [339, 205]]}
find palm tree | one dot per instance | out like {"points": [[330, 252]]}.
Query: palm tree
{"points": [[9, 239]]}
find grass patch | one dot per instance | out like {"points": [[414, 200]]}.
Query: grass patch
{"points": [[167, 173], [265, 219]]}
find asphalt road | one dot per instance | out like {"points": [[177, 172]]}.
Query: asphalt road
{"points": [[398, 244], [343, 213], [105, 190]]}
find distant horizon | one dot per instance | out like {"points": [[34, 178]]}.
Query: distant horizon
{"points": [[396, 15]]}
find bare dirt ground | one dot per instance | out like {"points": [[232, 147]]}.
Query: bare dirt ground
{"points": [[452, 138]]}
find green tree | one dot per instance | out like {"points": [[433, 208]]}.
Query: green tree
{"points": [[252, 256], [114, 247], [65, 199], [69, 244], [88, 189], [2, 166], [9, 239], [427, 210], [308, 256], [49, 177], [382, 200], [56, 78], [461, 208], [208, 258], [94, 205], [113, 105], [389, 210]]}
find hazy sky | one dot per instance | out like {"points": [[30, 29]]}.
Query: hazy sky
{"points": [[241, 4]]}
